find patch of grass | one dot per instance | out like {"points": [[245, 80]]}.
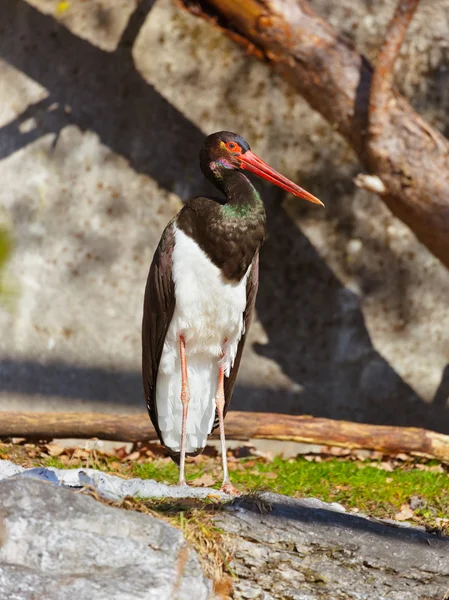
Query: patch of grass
{"points": [[353, 484], [166, 472], [159, 470], [56, 463], [92, 461]]}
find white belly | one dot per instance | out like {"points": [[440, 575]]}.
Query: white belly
{"points": [[209, 314]]}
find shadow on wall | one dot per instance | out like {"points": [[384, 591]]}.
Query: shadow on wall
{"points": [[105, 93], [321, 342], [323, 346]]}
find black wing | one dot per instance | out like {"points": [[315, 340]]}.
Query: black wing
{"points": [[252, 283], [158, 307]]}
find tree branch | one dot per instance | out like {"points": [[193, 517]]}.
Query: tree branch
{"points": [[382, 82], [406, 154], [239, 426]]}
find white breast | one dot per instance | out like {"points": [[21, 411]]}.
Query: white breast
{"points": [[209, 314]]}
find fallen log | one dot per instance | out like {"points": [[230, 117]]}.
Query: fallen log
{"points": [[239, 426], [407, 157]]}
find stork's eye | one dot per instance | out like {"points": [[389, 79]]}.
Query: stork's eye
{"points": [[233, 147]]}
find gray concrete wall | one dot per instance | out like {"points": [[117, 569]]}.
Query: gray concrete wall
{"points": [[102, 114]]}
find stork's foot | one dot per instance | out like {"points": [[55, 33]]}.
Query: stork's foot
{"points": [[182, 483], [228, 488]]}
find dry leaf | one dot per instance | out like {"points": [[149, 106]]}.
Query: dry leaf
{"points": [[205, 480], [270, 475], [214, 496], [436, 469], [337, 451], [383, 466], [80, 453], [266, 456], [54, 449], [121, 452], [250, 463], [386, 466], [152, 449], [133, 456], [197, 460], [404, 457], [362, 454], [376, 455], [405, 513], [313, 458]]}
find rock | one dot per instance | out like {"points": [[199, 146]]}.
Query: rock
{"points": [[63, 544], [106, 485], [417, 502], [59, 545], [310, 550]]}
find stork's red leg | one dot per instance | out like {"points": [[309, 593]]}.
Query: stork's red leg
{"points": [[220, 402], [185, 397]]}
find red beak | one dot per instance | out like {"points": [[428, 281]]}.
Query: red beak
{"points": [[255, 165]]}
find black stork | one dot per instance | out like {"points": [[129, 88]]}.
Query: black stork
{"points": [[199, 300]]}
